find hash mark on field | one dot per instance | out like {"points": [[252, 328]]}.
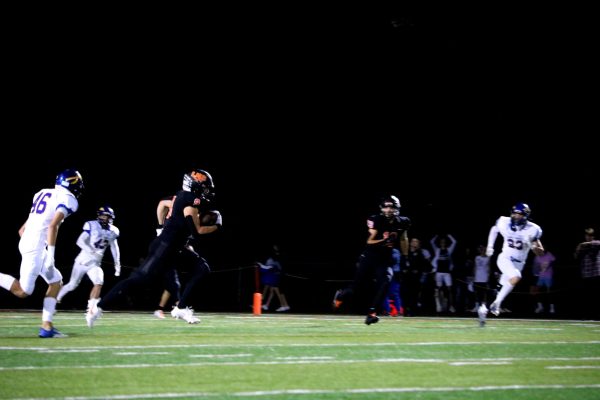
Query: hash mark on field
{"points": [[304, 358], [461, 363], [69, 351], [220, 355]]}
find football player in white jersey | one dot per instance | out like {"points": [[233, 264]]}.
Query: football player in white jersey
{"points": [[97, 236], [520, 235], [38, 234]]}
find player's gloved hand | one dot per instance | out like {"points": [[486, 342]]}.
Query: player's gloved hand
{"points": [[49, 262], [219, 221], [489, 251], [117, 269], [49, 259], [159, 230]]}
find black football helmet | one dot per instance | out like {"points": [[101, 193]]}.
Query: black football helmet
{"points": [[390, 202], [70, 179], [200, 183]]}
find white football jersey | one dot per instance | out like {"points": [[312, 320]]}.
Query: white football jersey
{"points": [[97, 241], [517, 243], [45, 203]]}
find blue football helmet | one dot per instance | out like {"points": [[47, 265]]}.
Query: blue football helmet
{"points": [[524, 210], [105, 211], [521, 208], [200, 183], [70, 179]]}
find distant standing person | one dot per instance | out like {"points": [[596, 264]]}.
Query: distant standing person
{"points": [[520, 235], [481, 278], [392, 303], [443, 264], [49, 209], [543, 269], [588, 255], [270, 277], [415, 276]]}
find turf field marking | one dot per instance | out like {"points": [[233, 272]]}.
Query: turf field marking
{"points": [[69, 351], [461, 363], [263, 393], [301, 361], [416, 389], [220, 355], [573, 367], [262, 345], [305, 358]]}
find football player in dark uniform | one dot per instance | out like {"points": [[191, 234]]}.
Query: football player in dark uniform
{"points": [[386, 230], [183, 220]]}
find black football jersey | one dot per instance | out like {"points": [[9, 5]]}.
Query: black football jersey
{"points": [[386, 227], [176, 230]]}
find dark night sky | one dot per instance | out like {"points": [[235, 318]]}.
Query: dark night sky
{"points": [[306, 118]]}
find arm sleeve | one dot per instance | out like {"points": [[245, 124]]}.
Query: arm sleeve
{"points": [[492, 236], [84, 242], [116, 252]]}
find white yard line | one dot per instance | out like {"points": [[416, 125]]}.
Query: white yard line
{"points": [[267, 345], [325, 391], [300, 361]]}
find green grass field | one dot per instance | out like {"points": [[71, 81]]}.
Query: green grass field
{"points": [[293, 356]]}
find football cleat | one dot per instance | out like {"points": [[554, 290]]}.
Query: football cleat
{"points": [[482, 314], [371, 319], [337, 300], [51, 333], [92, 315], [186, 314], [495, 309]]}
